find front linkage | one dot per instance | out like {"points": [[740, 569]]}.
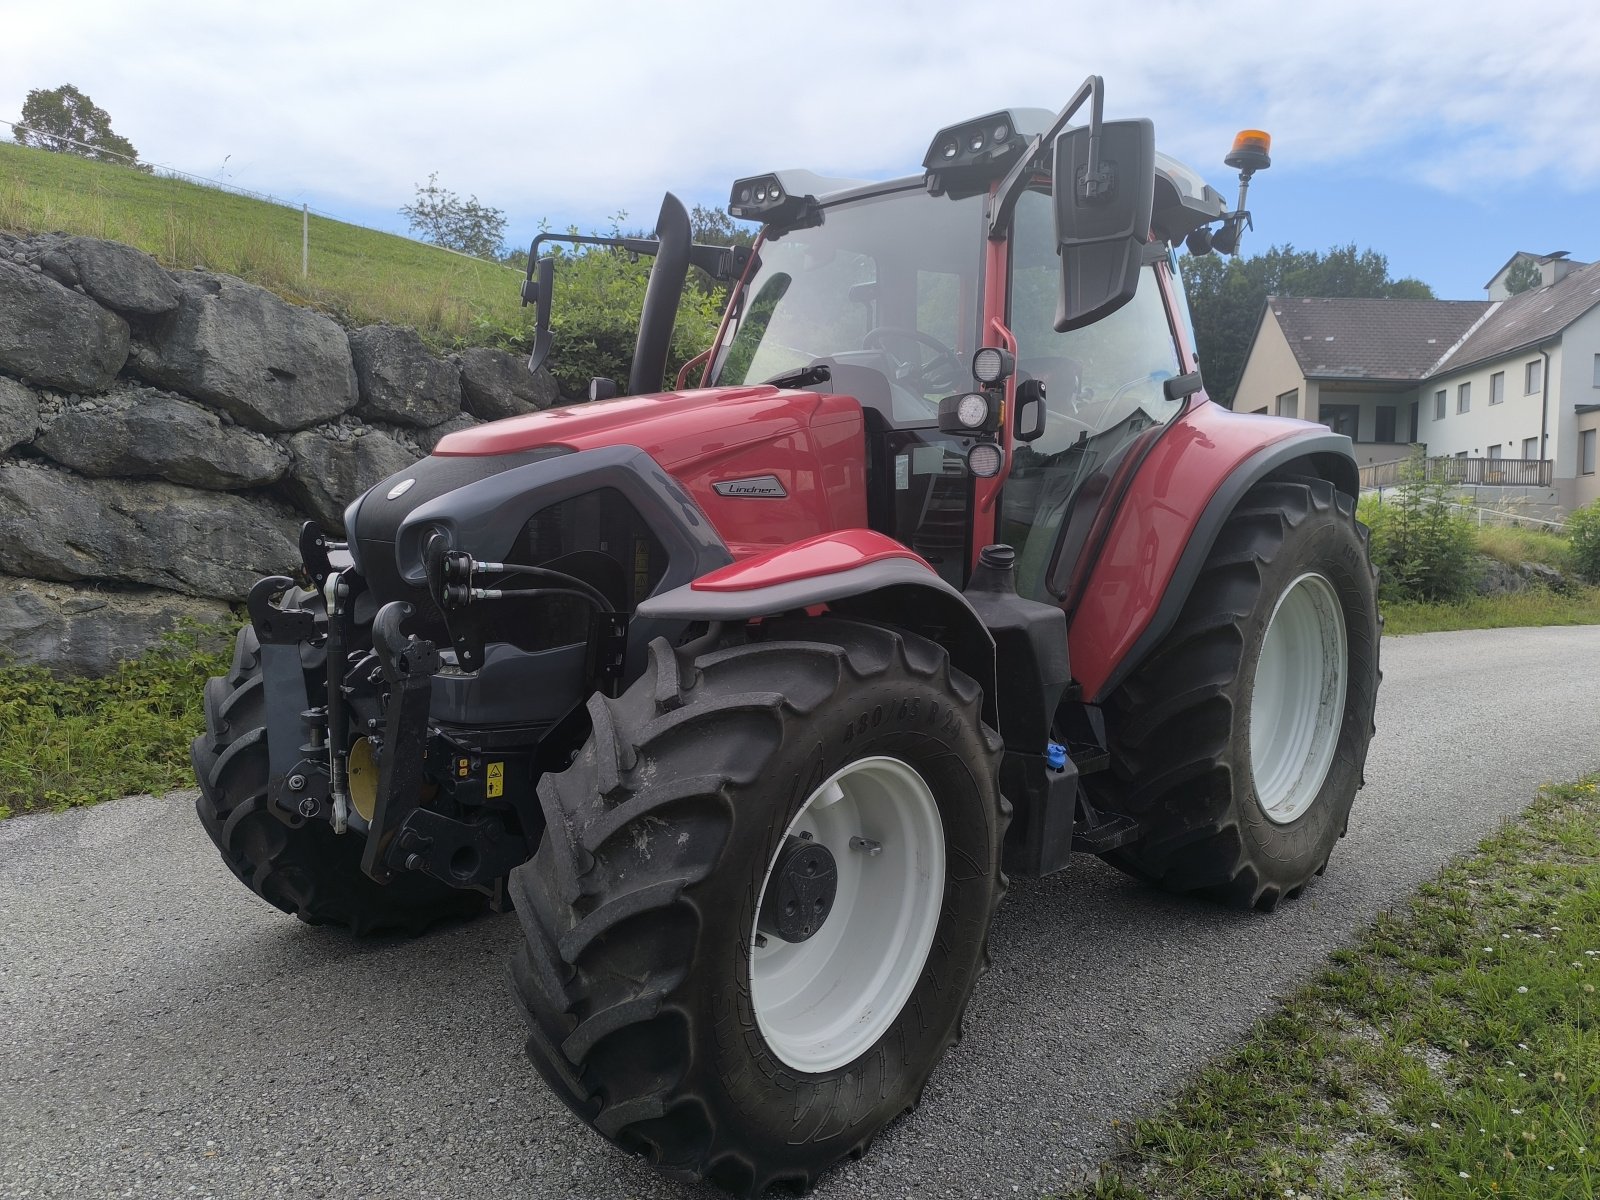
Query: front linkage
{"points": [[452, 802]]}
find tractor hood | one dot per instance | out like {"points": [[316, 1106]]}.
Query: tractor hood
{"points": [[768, 465]]}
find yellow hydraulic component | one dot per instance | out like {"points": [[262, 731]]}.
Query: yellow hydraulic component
{"points": [[363, 771]]}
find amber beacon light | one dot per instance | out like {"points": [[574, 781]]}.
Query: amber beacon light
{"points": [[1252, 151]]}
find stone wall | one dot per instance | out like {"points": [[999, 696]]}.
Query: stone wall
{"points": [[163, 434]]}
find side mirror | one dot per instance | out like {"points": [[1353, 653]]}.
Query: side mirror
{"points": [[543, 287], [1104, 195]]}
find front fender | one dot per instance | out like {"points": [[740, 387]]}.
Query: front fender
{"points": [[1167, 520], [854, 572]]}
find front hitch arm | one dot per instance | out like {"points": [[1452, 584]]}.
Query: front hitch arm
{"points": [[281, 632], [409, 664]]}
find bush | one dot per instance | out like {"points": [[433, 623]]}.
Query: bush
{"points": [[1422, 550], [594, 317], [1583, 541]]}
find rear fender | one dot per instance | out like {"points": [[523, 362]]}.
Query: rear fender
{"points": [[1169, 518], [854, 572]]}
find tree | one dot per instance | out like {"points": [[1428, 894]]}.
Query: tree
{"points": [[1524, 276], [440, 216], [1226, 297], [63, 119], [714, 227]]}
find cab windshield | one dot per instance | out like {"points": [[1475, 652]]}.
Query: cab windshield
{"points": [[889, 283]]}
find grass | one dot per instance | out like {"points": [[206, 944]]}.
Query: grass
{"points": [[1536, 606], [359, 275], [1453, 1051], [67, 742], [1515, 546]]}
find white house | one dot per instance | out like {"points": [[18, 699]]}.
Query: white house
{"points": [[1509, 385]]}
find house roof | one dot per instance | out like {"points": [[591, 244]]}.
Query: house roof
{"points": [[1527, 319], [1538, 259], [1397, 340]]}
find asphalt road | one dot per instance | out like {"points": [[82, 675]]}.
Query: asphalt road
{"points": [[165, 1034]]}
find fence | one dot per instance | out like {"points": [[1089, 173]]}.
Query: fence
{"points": [[305, 210], [1488, 472]]}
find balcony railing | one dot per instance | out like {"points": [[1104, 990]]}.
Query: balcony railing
{"points": [[1486, 472]]}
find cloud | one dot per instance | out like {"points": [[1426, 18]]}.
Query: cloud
{"points": [[543, 108]]}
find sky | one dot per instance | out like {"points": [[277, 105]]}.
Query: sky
{"points": [[1444, 135]]}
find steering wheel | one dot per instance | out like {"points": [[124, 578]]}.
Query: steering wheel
{"points": [[940, 375]]}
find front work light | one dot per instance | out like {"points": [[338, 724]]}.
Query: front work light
{"points": [[985, 460], [764, 198], [974, 412], [992, 364]]}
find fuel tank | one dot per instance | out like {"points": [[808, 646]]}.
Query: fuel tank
{"points": [[769, 466]]}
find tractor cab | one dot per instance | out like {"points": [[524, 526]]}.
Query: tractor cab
{"points": [[1052, 244]]}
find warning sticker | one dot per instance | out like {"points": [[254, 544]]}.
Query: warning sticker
{"points": [[495, 784]]}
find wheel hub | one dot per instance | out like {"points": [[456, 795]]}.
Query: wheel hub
{"points": [[824, 998], [801, 891], [1297, 704]]}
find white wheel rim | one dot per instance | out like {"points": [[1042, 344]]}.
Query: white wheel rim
{"points": [[1297, 704], [823, 1002]]}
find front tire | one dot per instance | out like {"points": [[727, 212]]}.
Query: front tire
{"points": [[1239, 744], [656, 1007]]}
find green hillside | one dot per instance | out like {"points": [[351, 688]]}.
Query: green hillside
{"points": [[357, 274]]}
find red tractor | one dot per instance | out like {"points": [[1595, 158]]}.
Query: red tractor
{"points": [[747, 697]]}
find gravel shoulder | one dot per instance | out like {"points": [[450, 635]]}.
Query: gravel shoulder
{"points": [[165, 1033]]}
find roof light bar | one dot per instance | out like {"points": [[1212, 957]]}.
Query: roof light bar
{"points": [[979, 147], [768, 199]]}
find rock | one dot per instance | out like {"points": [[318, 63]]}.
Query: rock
{"points": [[80, 631], [429, 438], [56, 525], [138, 431], [118, 276], [267, 363], [1544, 576], [1496, 578], [400, 381], [334, 465], [52, 335], [495, 385], [19, 414]]}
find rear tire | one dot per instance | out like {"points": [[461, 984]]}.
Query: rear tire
{"points": [[642, 980], [1240, 800], [308, 870]]}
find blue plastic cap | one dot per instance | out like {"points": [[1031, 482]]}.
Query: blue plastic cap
{"points": [[1055, 755]]}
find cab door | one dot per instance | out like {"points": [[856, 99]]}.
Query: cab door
{"points": [[1103, 392]]}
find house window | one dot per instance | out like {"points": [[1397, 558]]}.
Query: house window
{"points": [[1533, 377], [1438, 405], [1597, 370], [1289, 404], [1342, 418], [1497, 387], [1464, 398], [1494, 450], [1530, 449], [1384, 430], [1586, 452]]}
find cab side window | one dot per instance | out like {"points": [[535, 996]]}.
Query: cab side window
{"points": [[1097, 377]]}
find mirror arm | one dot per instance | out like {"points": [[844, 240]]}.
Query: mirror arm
{"points": [[1004, 201]]}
